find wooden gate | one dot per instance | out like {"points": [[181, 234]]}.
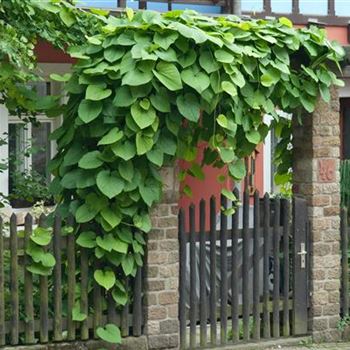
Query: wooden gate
{"points": [[244, 277]]}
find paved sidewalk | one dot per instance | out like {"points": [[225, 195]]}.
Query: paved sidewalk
{"points": [[332, 346]]}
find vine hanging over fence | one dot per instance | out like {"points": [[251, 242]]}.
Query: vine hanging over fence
{"points": [[147, 90]]}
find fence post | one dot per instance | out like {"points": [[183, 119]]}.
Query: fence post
{"points": [[316, 177], [162, 269]]}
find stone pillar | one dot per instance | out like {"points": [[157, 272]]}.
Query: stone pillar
{"points": [[316, 177], [162, 270]]}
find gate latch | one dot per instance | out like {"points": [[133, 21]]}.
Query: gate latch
{"points": [[302, 254]]}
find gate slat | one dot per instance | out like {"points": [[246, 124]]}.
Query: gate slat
{"points": [[14, 281], [182, 296], [2, 283], [192, 277], [276, 268], [112, 312], [345, 266], [256, 267], [84, 306], [57, 282], [28, 282], [71, 283], [267, 249], [300, 291], [223, 271], [286, 211], [245, 267], [202, 276], [234, 275], [213, 334]]}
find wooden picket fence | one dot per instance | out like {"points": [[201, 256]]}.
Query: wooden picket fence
{"points": [[38, 309], [254, 302]]}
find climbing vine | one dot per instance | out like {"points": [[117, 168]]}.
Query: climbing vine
{"points": [[22, 25], [151, 87]]}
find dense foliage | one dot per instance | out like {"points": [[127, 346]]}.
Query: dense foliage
{"points": [[148, 89], [22, 24]]}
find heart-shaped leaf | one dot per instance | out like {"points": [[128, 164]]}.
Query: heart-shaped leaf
{"points": [[110, 334], [198, 81], [41, 236], [168, 74], [91, 160], [113, 135], [188, 106], [143, 118], [105, 278], [110, 184], [87, 239], [97, 92], [89, 110]]}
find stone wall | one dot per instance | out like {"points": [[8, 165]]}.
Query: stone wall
{"points": [[316, 177], [162, 270]]}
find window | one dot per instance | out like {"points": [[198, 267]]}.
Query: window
{"points": [[29, 145]]}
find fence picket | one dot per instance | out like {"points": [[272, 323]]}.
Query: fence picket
{"points": [[28, 283], [125, 315], [97, 301], [182, 289], [286, 270], [267, 249], [44, 298], [245, 267], [276, 269], [111, 309], [84, 304], [234, 274], [2, 285], [71, 283], [14, 281], [57, 280], [256, 268], [213, 336], [223, 271], [193, 304], [345, 266], [137, 304], [202, 277]]}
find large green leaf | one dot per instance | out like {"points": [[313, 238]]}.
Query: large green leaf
{"points": [[41, 236], [143, 117], [270, 77], [111, 216], [136, 77], [113, 53], [126, 170], [126, 150], [91, 160], [123, 97], [208, 62], [144, 143], [105, 278], [89, 110], [189, 106], [113, 136], [128, 264], [85, 213], [160, 101], [198, 81], [224, 56], [168, 74], [87, 239], [165, 39], [237, 169], [97, 92], [150, 191], [110, 334], [228, 87], [110, 184]]}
